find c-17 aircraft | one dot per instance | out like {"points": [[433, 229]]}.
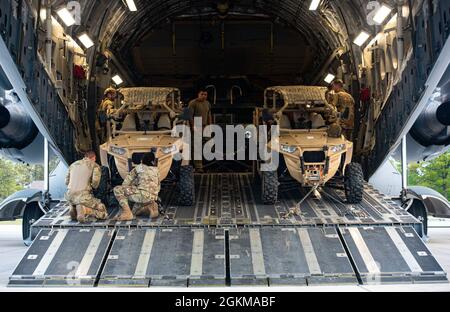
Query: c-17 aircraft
{"points": [[58, 57]]}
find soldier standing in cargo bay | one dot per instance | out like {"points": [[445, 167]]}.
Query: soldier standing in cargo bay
{"points": [[83, 176], [345, 105], [105, 109], [200, 107], [141, 186]]}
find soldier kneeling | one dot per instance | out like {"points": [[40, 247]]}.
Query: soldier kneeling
{"points": [[141, 186], [83, 176]]}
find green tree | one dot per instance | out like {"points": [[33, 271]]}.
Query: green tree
{"points": [[434, 174], [12, 177], [16, 176], [414, 174]]}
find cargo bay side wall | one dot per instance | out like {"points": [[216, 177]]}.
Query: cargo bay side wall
{"points": [[431, 32], [47, 95]]}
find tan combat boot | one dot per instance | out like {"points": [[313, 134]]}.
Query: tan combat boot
{"points": [[139, 209], [73, 213], [153, 209], [125, 215], [91, 215], [81, 214], [147, 210]]}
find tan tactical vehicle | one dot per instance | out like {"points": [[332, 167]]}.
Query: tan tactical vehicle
{"points": [[311, 147], [147, 117]]}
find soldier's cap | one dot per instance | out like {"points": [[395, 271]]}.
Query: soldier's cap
{"points": [[110, 90]]}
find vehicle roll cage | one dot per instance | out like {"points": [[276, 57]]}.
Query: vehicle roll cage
{"points": [[154, 100], [293, 98]]}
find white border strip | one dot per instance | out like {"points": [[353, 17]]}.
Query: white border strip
{"points": [[50, 253], [91, 251], [257, 252], [404, 250], [144, 256], [364, 251], [197, 253], [308, 249]]}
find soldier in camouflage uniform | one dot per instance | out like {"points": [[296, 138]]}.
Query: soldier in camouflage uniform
{"points": [[83, 176], [329, 93], [141, 186], [105, 109], [345, 104]]}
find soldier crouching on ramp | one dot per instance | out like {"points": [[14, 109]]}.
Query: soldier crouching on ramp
{"points": [[83, 176], [141, 186]]}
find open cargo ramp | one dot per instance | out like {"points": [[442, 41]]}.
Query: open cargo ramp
{"points": [[288, 256], [228, 237], [166, 257], [63, 257], [390, 255]]}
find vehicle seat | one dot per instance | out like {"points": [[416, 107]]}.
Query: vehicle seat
{"points": [[164, 122], [317, 121], [129, 123], [285, 123]]}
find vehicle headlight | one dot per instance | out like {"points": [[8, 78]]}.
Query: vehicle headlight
{"points": [[169, 149], [338, 148], [117, 150], [288, 148]]}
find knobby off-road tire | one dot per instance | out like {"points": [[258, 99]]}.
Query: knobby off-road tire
{"points": [[186, 188], [104, 186], [354, 183], [419, 211], [269, 187], [31, 214]]}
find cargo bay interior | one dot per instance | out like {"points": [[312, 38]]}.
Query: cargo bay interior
{"points": [[234, 49], [249, 45], [246, 44], [237, 49], [228, 237]]}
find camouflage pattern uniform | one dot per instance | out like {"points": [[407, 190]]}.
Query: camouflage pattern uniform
{"points": [[83, 176], [345, 104], [141, 186], [329, 95], [105, 109], [331, 117]]}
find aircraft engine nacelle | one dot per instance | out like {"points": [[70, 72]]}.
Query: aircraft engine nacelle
{"points": [[430, 135], [18, 132], [432, 126]]}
